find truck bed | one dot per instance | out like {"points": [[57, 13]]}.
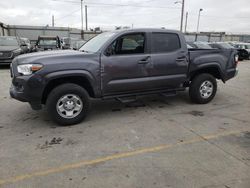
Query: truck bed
{"points": [[223, 59]]}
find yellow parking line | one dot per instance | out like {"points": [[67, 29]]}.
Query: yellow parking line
{"points": [[112, 157]]}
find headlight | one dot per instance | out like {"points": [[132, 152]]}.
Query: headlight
{"points": [[17, 51], [28, 69]]}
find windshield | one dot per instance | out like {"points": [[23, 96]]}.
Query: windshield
{"points": [[226, 46], [47, 42], [8, 41], [203, 45], [94, 44]]}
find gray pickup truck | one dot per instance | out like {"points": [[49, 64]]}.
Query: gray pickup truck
{"points": [[120, 65]]}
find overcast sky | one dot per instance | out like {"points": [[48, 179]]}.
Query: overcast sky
{"points": [[217, 15]]}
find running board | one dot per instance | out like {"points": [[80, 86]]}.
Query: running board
{"points": [[127, 99], [132, 96], [169, 94]]}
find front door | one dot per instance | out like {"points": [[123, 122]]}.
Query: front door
{"points": [[125, 65]]}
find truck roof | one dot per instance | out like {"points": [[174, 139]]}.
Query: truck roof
{"points": [[48, 37], [147, 30]]}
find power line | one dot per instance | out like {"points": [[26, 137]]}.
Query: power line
{"points": [[220, 17], [120, 5], [70, 14], [224, 17]]}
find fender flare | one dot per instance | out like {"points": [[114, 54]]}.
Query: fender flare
{"points": [[207, 66], [71, 73]]}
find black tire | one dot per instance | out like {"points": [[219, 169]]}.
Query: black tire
{"points": [[67, 90], [196, 95]]}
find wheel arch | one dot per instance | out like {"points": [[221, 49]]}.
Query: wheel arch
{"points": [[214, 70], [84, 79]]}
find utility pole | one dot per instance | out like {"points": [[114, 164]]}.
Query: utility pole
{"points": [[81, 19], [198, 24], [53, 21], [182, 14], [186, 22], [86, 17]]}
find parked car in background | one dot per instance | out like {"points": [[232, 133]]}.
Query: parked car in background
{"points": [[9, 49], [71, 43], [221, 45], [189, 46], [243, 54], [80, 43], [244, 47], [25, 45], [48, 43], [119, 65], [200, 45], [33, 45], [65, 43]]}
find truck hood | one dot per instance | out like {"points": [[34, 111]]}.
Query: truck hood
{"points": [[60, 60], [54, 57]]}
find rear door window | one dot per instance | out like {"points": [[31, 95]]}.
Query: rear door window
{"points": [[165, 42]]}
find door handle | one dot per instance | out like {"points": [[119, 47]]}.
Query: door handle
{"points": [[183, 58], [144, 61]]}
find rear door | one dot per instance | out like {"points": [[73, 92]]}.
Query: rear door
{"points": [[169, 60]]}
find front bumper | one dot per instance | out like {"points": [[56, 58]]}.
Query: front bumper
{"points": [[27, 88], [23, 97], [18, 95]]}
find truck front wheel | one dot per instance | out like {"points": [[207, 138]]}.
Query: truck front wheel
{"points": [[203, 88], [68, 104]]}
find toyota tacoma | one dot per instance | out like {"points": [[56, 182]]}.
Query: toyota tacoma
{"points": [[118, 65]]}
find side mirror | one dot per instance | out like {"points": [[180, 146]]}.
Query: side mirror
{"points": [[109, 51]]}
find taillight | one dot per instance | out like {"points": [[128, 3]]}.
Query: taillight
{"points": [[236, 59]]}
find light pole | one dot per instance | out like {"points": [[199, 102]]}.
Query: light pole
{"points": [[86, 17], [182, 12], [53, 21], [82, 15], [186, 22], [198, 24]]}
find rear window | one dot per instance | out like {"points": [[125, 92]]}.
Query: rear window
{"points": [[165, 42]]}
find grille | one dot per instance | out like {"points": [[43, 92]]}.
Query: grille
{"points": [[4, 55]]}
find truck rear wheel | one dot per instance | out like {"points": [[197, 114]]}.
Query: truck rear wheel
{"points": [[68, 104], [203, 88]]}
